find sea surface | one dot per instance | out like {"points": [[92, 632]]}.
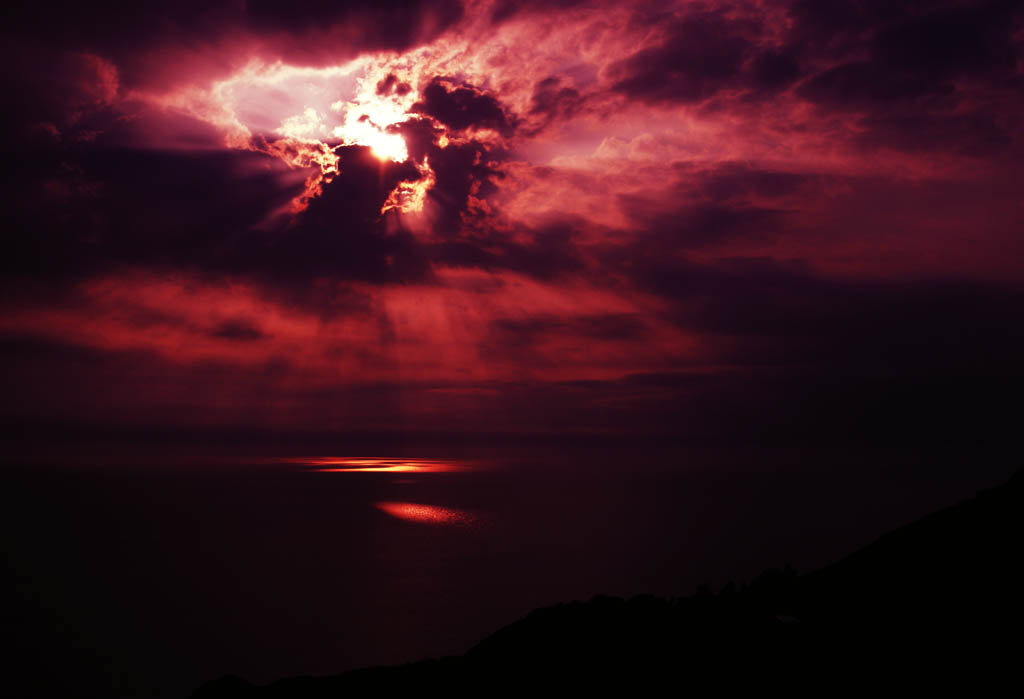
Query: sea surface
{"points": [[146, 576]]}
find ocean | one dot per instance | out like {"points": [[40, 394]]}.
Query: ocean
{"points": [[147, 576]]}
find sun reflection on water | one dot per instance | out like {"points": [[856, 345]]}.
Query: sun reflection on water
{"points": [[428, 514], [409, 511], [330, 464]]}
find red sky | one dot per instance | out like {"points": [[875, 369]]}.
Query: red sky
{"points": [[700, 220]]}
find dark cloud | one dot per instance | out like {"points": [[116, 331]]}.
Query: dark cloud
{"points": [[879, 52], [390, 84], [917, 72], [702, 53], [342, 233], [613, 326], [118, 24], [965, 40], [80, 211], [77, 86], [207, 211], [861, 83], [460, 169], [508, 9], [973, 134], [301, 31], [463, 171], [773, 70], [806, 358], [421, 137], [736, 180], [899, 64], [239, 329], [552, 101], [547, 253], [715, 206], [838, 26], [700, 224], [394, 21], [771, 312], [528, 341], [460, 107]]}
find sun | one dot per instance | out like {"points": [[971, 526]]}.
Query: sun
{"points": [[363, 131], [367, 121], [389, 146]]}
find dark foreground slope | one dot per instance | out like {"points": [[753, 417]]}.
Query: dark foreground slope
{"points": [[937, 603]]}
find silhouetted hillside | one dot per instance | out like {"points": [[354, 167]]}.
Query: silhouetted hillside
{"points": [[936, 603]]}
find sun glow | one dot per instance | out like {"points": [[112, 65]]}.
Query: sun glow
{"points": [[385, 145], [368, 120], [303, 115]]}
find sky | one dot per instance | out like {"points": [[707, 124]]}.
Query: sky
{"points": [[725, 222]]}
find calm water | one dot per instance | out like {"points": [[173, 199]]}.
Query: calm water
{"points": [[147, 580]]}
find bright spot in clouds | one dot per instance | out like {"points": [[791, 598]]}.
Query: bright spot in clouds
{"points": [[364, 132], [368, 117], [303, 115]]}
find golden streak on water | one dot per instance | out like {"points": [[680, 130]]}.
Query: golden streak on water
{"points": [[427, 514], [409, 511], [329, 464]]}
